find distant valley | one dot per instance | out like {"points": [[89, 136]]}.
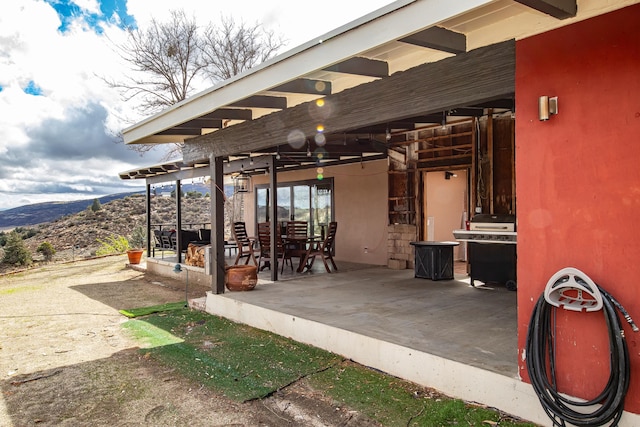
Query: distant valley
{"points": [[40, 213]]}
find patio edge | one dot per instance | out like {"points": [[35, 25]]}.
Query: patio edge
{"points": [[449, 377]]}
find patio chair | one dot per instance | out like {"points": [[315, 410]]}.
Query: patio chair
{"points": [[264, 239], [157, 240], [205, 234], [296, 237], [166, 239], [324, 249], [188, 236], [244, 243]]}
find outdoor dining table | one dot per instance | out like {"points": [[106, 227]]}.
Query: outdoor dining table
{"points": [[308, 241]]}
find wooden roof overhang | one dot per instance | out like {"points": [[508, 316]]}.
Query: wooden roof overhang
{"points": [[395, 38], [356, 121], [468, 83], [399, 68]]}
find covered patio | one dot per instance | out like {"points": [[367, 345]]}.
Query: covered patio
{"points": [[446, 102]]}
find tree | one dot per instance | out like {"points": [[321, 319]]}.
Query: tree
{"points": [[15, 251], [95, 206], [165, 59], [138, 238], [231, 48], [168, 58], [47, 250]]}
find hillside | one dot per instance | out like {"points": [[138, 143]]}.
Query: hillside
{"points": [[39, 213], [77, 235]]}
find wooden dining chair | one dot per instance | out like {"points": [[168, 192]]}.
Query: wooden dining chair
{"points": [[324, 249], [296, 235], [265, 257], [244, 243]]}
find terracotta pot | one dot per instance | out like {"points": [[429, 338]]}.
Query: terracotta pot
{"points": [[135, 255], [241, 277]]}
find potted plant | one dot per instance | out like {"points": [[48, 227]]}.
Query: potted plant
{"points": [[136, 245]]}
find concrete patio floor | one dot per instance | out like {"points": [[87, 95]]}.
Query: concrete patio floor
{"points": [[450, 319]]}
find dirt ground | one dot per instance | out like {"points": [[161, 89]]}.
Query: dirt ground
{"points": [[66, 361]]}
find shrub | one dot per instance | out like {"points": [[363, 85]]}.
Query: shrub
{"points": [[15, 251], [47, 250], [138, 237], [96, 205], [112, 245]]}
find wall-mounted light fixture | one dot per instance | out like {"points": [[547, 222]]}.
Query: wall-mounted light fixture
{"points": [[448, 175], [242, 181], [547, 106]]}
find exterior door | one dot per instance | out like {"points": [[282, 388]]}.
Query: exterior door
{"points": [[310, 201]]}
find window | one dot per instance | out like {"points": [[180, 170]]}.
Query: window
{"points": [[310, 201]]}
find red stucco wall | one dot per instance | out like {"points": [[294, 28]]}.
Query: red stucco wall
{"points": [[578, 184]]}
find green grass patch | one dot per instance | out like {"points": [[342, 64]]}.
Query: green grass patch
{"points": [[145, 311], [241, 362], [394, 402], [149, 335], [245, 363]]}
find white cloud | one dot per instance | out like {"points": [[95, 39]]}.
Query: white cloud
{"points": [[59, 146]]}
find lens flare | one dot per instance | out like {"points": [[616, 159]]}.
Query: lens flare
{"points": [[320, 128], [320, 177], [320, 139], [296, 138], [320, 102]]}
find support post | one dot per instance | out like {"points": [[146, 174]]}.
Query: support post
{"points": [[273, 205], [178, 221], [217, 225], [148, 208]]}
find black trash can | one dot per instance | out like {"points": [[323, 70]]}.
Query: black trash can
{"points": [[434, 260]]}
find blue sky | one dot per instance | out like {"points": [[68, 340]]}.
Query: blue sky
{"points": [[112, 12], [58, 119]]}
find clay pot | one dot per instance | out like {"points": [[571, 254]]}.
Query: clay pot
{"points": [[241, 277], [135, 255]]}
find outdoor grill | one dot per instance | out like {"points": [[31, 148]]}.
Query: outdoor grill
{"points": [[491, 243]]}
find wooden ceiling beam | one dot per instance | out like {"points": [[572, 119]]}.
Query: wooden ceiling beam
{"points": [[262, 101], [181, 131], [438, 38], [200, 124], [309, 86], [229, 114], [361, 67], [560, 9]]}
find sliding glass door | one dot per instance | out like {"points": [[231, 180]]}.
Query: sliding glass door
{"points": [[310, 201]]}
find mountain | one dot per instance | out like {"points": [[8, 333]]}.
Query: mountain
{"points": [[39, 213]]}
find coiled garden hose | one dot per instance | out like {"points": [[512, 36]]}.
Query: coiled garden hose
{"points": [[540, 360]]}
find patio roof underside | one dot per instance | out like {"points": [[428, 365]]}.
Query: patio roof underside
{"points": [[369, 101]]}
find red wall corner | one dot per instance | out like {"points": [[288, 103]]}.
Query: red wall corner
{"points": [[578, 185]]}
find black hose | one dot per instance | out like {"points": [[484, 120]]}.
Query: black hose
{"points": [[540, 359]]}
